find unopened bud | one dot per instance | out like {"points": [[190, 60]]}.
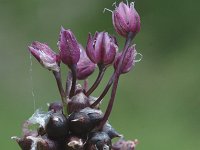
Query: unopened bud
{"points": [[129, 60], [69, 47], [47, 58], [101, 49], [126, 19], [85, 66]]}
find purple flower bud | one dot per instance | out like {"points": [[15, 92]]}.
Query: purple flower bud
{"points": [[129, 60], [69, 47], [101, 49], [85, 66], [126, 19], [43, 53]]}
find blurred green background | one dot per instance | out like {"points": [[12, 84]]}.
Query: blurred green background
{"points": [[158, 102]]}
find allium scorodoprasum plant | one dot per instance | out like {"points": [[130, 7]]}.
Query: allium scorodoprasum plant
{"points": [[77, 122]]}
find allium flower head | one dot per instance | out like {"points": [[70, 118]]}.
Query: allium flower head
{"points": [[69, 47], [85, 66], [129, 60], [126, 19], [102, 48], [43, 53]]}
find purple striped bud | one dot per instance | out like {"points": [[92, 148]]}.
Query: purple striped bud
{"points": [[101, 49], [126, 19], [44, 54], [129, 60], [69, 47], [85, 66]]}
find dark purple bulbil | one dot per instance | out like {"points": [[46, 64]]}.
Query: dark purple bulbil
{"points": [[77, 102], [77, 122], [84, 121], [99, 141], [57, 126]]}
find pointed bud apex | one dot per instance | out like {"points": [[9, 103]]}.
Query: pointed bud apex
{"points": [[69, 47], [101, 49], [129, 60], [57, 126], [126, 19], [47, 58], [85, 66]]}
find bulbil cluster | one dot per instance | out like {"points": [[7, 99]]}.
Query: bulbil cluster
{"points": [[77, 122]]}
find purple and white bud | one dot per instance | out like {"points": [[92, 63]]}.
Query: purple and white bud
{"points": [[122, 144], [69, 47], [126, 19], [101, 49], [85, 66], [129, 60], [45, 56]]}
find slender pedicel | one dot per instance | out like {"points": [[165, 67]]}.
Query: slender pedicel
{"points": [[57, 76], [73, 87], [102, 70], [105, 91], [68, 84]]}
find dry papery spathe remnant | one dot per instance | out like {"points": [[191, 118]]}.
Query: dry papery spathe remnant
{"points": [[77, 122]]}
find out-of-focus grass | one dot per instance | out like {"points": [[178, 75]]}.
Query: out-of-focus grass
{"points": [[158, 102]]}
